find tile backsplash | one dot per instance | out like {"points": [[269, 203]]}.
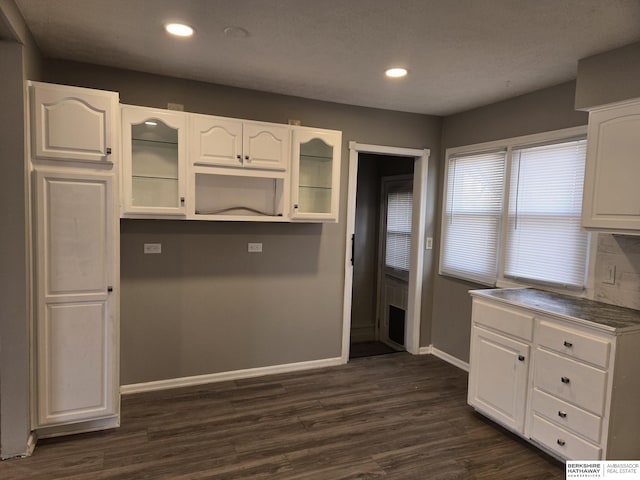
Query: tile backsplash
{"points": [[622, 252]]}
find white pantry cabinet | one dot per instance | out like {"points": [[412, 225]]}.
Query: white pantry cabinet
{"points": [[75, 245], [315, 174], [228, 142], [580, 393], [611, 199], [71, 123], [154, 179]]}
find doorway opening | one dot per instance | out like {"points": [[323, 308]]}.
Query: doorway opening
{"points": [[385, 233]]}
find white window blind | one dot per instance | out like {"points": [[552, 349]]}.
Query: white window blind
{"points": [[473, 214], [544, 240], [398, 235]]}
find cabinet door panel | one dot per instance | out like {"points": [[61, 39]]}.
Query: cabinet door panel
{"points": [[76, 319], [611, 197], [266, 146], [72, 124], [154, 162], [76, 361], [498, 377], [215, 141]]}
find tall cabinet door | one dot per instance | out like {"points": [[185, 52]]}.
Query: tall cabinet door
{"points": [[76, 327], [70, 123]]}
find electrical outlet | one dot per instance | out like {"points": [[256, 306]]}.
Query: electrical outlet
{"points": [[152, 248], [429, 243], [254, 247]]}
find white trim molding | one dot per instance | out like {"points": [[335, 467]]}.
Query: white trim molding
{"points": [[226, 376], [456, 362]]}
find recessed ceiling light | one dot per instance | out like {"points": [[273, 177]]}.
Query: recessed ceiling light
{"points": [[395, 72], [179, 29], [236, 32]]}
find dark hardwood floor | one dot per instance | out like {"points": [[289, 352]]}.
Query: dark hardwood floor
{"points": [[387, 417]]}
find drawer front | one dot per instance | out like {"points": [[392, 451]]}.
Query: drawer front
{"points": [[559, 440], [506, 320], [567, 415], [573, 343], [575, 382]]}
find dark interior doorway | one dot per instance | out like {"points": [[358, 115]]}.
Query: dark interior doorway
{"points": [[365, 338]]}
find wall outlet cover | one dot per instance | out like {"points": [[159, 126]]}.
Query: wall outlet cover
{"points": [[254, 247], [152, 248]]}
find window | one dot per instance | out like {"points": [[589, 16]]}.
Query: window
{"points": [[398, 231], [515, 213], [473, 213], [545, 242]]}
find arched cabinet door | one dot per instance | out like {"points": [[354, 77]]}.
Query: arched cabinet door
{"points": [[315, 174], [153, 162], [73, 124]]}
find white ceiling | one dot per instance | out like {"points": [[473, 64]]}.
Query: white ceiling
{"points": [[460, 53]]}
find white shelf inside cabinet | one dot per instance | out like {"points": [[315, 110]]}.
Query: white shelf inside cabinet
{"points": [[225, 194]]}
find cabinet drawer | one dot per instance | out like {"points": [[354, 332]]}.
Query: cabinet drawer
{"points": [[575, 382], [506, 320], [559, 440], [567, 415], [574, 343]]}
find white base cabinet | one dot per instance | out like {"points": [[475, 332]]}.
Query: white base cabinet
{"points": [[75, 245], [566, 384]]}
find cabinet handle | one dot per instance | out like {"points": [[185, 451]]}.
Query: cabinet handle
{"points": [[108, 150], [109, 289], [561, 442], [295, 206], [562, 414], [246, 157], [521, 358], [568, 344], [565, 379], [182, 201], [239, 157]]}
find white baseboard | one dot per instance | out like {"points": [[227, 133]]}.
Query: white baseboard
{"points": [[456, 362], [425, 350], [31, 443], [226, 376]]}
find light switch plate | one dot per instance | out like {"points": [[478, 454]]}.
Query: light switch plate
{"points": [[610, 275], [152, 248], [429, 243], [254, 247]]}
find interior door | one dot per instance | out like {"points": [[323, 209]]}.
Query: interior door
{"points": [[395, 254]]}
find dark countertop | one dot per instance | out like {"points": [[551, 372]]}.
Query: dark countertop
{"points": [[608, 317]]}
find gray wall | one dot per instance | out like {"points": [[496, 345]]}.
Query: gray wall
{"points": [[544, 110], [608, 77], [205, 305], [18, 58]]}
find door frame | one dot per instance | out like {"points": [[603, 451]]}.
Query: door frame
{"points": [[420, 172]]}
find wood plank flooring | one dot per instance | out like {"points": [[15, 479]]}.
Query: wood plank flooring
{"points": [[388, 417]]}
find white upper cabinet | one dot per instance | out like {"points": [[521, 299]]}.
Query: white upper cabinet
{"points": [[226, 142], [611, 196], [315, 174], [73, 124], [153, 162]]}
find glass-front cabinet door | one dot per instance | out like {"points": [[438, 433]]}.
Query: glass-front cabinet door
{"points": [[154, 177], [315, 174]]}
